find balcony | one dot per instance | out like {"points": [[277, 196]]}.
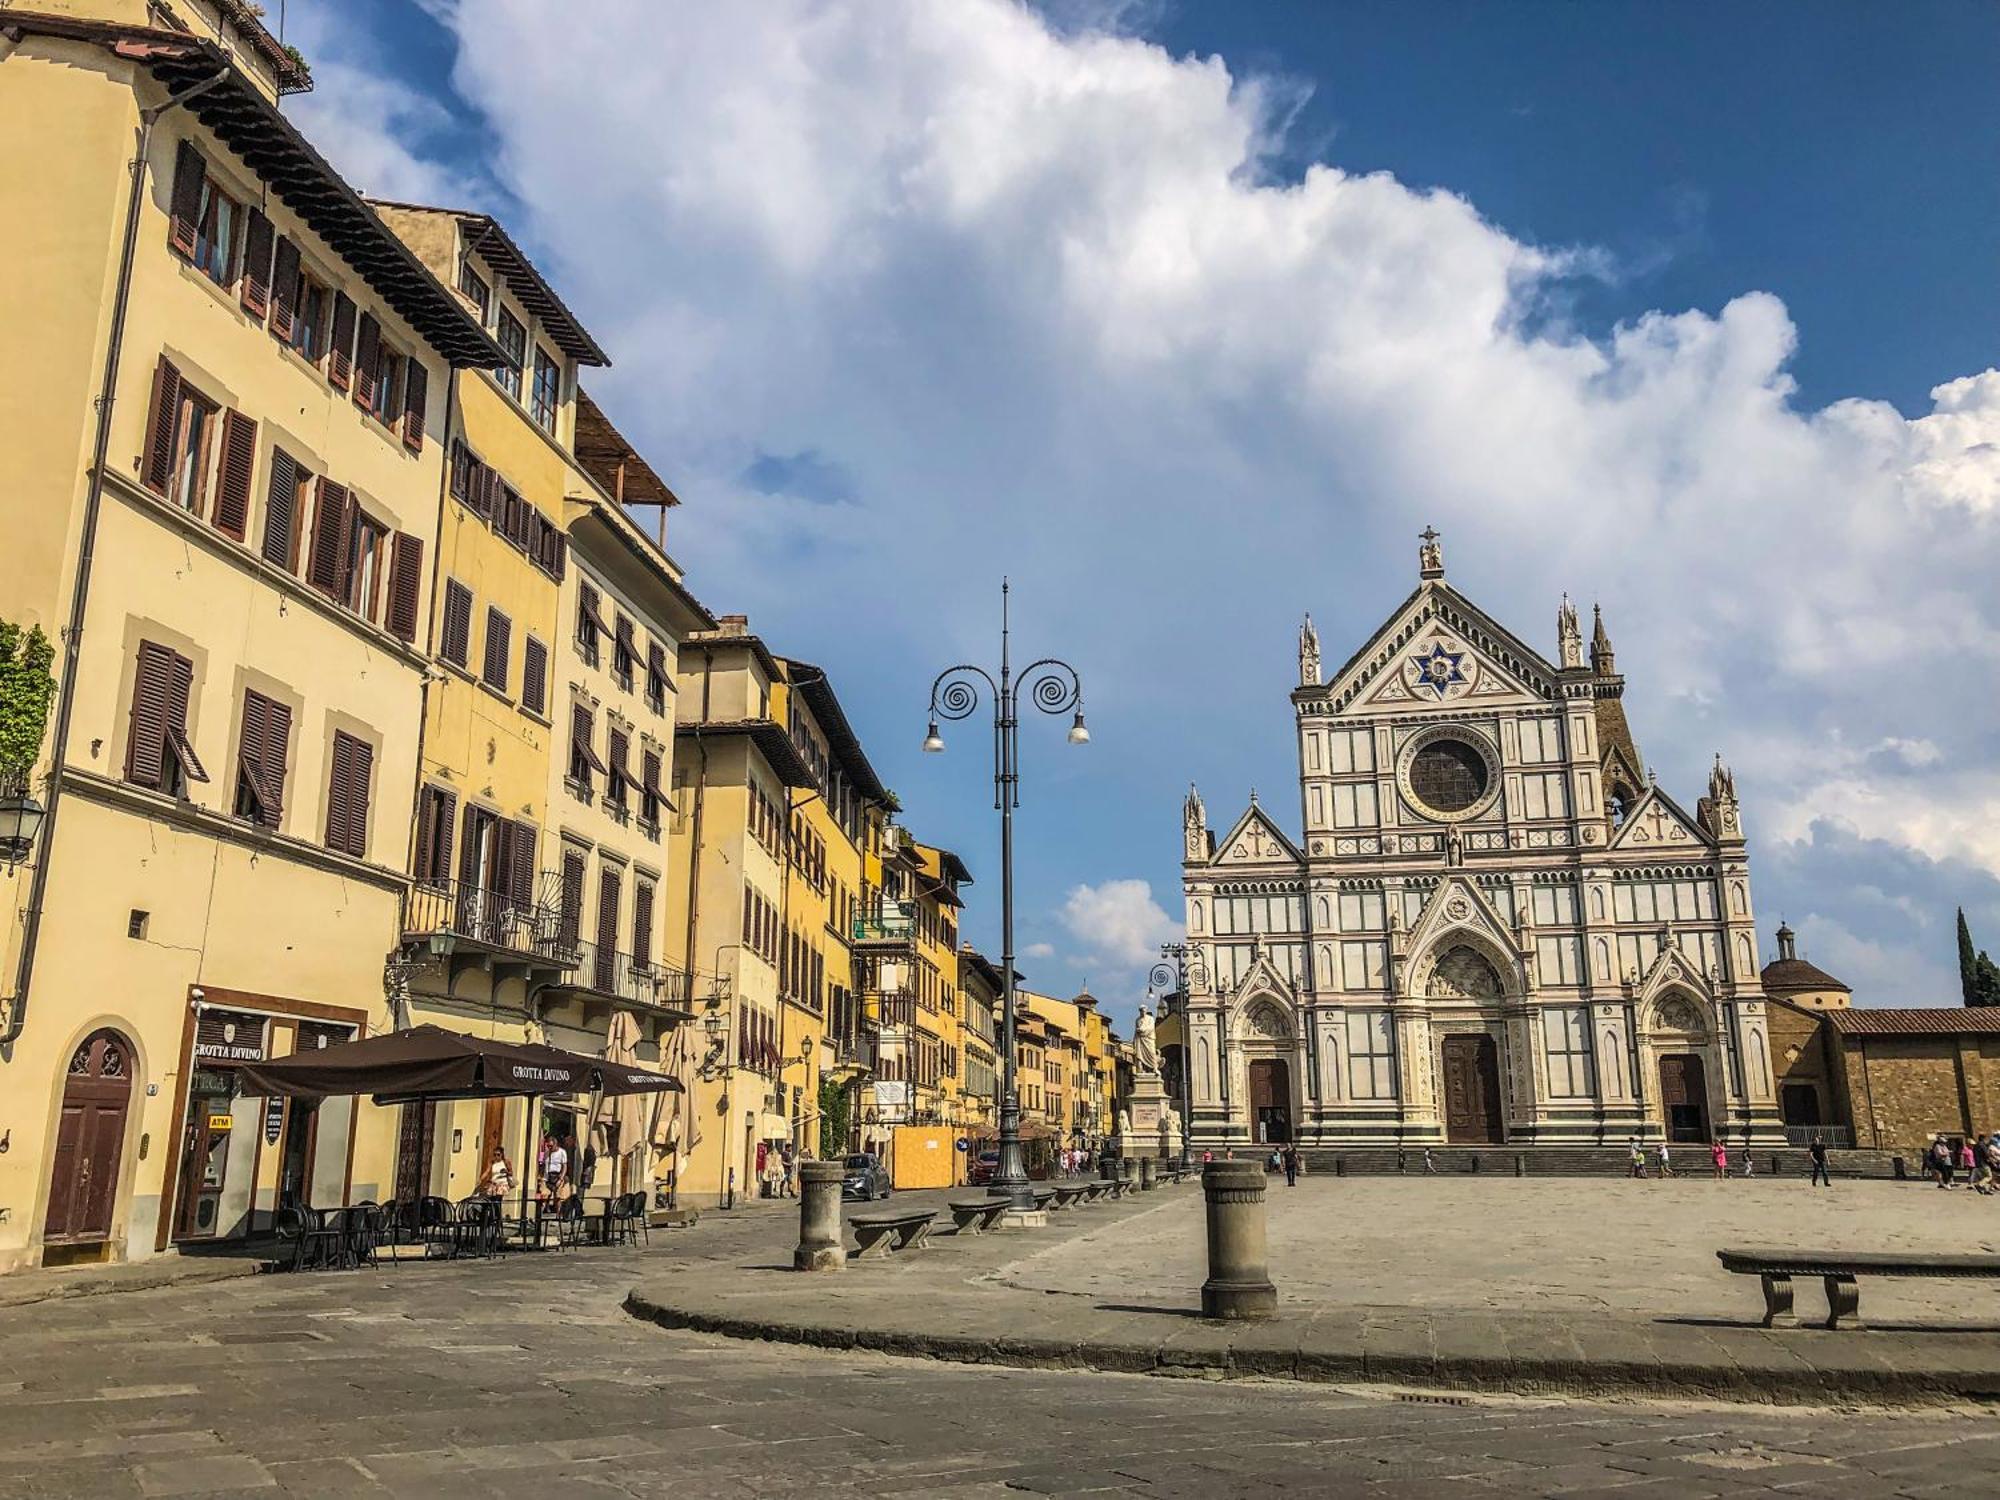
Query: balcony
{"points": [[853, 1053], [610, 974], [891, 924], [469, 926]]}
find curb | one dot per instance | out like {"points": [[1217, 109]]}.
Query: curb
{"points": [[69, 1286], [1237, 1354]]}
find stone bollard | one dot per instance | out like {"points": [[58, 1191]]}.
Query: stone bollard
{"points": [[1239, 1278], [1145, 1174], [820, 1245]]}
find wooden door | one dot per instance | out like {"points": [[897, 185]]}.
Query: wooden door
{"points": [[413, 1150], [1684, 1097], [492, 1134], [1472, 1091], [90, 1140], [1271, 1101]]}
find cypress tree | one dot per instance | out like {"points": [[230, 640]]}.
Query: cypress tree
{"points": [[1967, 963]]}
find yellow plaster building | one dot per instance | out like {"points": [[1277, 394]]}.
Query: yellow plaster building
{"points": [[223, 381]]}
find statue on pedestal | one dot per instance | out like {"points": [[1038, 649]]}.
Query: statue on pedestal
{"points": [[1145, 1049]]}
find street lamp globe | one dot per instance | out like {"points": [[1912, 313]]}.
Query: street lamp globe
{"points": [[1078, 733], [20, 821], [933, 741]]}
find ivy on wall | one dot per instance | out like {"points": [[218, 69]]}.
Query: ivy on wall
{"points": [[27, 688]]}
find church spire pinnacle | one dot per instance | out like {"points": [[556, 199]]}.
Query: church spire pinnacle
{"points": [[1308, 654], [1430, 555], [1602, 660], [1569, 634]]}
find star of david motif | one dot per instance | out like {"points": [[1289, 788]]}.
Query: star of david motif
{"points": [[1439, 669]]}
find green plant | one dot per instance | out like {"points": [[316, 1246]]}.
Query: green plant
{"points": [[27, 687], [1978, 976], [891, 801], [836, 1105]]}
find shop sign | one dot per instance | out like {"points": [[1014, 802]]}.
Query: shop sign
{"points": [[221, 1122], [274, 1119], [230, 1036]]}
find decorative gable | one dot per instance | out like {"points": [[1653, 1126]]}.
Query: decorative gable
{"points": [[1256, 840], [1656, 821], [1459, 915], [1440, 649]]}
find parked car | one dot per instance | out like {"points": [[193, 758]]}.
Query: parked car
{"points": [[979, 1172], [866, 1177]]}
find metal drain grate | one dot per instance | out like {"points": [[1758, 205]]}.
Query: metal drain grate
{"points": [[1422, 1399]]}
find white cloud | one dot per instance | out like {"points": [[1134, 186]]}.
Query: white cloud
{"points": [[1039, 950], [1037, 295], [1117, 922]]}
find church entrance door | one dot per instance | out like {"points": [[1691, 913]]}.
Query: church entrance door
{"points": [[1271, 1100], [1684, 1095], [1472, 1091]]}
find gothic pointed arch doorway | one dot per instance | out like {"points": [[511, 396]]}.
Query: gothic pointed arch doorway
{"points": [[1271, 1100], [1470, 1065], [90, 1141]]}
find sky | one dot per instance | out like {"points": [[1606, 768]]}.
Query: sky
{"points": [[1188, 317]]}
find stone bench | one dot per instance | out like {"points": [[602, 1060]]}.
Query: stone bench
{"points": [[1044, 1196], [1116, 1188], [976, 1215], [878, 1234], [1837, 1270], [1092, 1191], [1068, 1195]]}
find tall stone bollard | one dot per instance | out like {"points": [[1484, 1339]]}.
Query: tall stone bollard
{"points": [[1239, 1278], [820, 1244], [1145, 1174]]}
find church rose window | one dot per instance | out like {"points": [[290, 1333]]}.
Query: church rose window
{"points": [[1448, 775]]}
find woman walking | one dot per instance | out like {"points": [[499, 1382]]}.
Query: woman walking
{"points": [[1719, 1153]]}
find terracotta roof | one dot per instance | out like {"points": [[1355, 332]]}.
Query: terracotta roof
{"points": [[1789, 976], [1957, 1020], [603, 451]]}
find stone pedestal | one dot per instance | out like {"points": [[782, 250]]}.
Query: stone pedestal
{"points": [[1145, 1174], [820, 1246], [1239, 1277]]}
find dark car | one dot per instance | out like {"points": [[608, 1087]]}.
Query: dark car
{"points": [[866, 1177], [979, 1173]]}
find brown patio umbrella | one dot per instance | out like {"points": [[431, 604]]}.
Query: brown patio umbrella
{"points": [[424, 1062]]}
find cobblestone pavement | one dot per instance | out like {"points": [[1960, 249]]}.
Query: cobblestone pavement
{"points": [[522, 1377]]}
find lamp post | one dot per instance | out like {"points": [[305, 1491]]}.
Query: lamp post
{"points": [[1053, 687], [20, 822], [1172, 969]]}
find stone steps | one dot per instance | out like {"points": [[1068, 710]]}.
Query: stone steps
{"points": [[1578, 1161]]}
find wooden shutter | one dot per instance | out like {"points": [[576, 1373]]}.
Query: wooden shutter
{"points": [[180, 684], [231, 514], [580, 736], [642, 925], [146, 745], [607, 928], [328, 569], [406, 585], [522, 891], [190, 171], [534, 676], [157, 462], [455, 640], [256, 288], [284, 289], [277, 746], [656, 669], [620, 748], [367, 346], [649, 784], [499, 647], [416, 387], [572, 896], [281, 500], [587, 624], [347, 795], [340, 347], [460, 469]]}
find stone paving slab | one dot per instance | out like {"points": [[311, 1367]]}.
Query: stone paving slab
{"points": [[23, 1288], [992, 1299]]}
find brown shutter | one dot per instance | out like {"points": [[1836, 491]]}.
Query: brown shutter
{"points": [[158, 459], [336, 794], [284, 290], [189, 173], [146, 745], [277, 745], [572, 895], [180, 685], [499, 647], [534, 676], [522, 892], [460, 469], [416, 386], [341, 347], [424, 866], [256, 288], [232, 483], [367, 345], [347, 798], [642, 925], [406, 585], [620, 748], [455, 639], [281, 499], [580, 735], [328, 569], [607, 929]]}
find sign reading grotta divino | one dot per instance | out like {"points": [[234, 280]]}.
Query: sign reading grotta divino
{"points": [[230, 1036]]}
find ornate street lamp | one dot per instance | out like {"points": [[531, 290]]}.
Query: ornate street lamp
{"points": [[1172, 970], [20, 821], [1053, 687]]}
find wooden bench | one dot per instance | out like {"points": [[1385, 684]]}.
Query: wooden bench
{"points": [[1068, 1194], [976, 1215], [878, 1234], [1837, 1270]]}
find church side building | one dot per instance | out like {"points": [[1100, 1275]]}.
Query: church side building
{"points": [[1496, 928]]}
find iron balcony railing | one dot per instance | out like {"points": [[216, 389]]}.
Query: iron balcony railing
{"points": [[617, 974], [891, 922], [1836, 1137], [458, 908]]}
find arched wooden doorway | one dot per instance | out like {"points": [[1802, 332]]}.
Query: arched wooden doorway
{"points": [[90, 1141], [1684, 1098], [1471, 1069], [1271, 1100]]}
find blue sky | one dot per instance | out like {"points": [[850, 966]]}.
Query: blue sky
{"points": [[1189, 317]]}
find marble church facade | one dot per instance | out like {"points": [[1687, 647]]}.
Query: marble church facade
{"points": [[1495, 928]]}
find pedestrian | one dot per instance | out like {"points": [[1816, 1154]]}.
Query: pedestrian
{"points": [[555, 1167], [1229, 1153], [1291, 1166], [1720, 1154], [1993, 1163], [1207, 1156], [1941, 1153], [1666, 1161], [1749, 1166], [1277, 1161], [499, 1175], [1638, 1157], [1982, 1168], [1820, 1175], [1967, 1161], [1430, 1166]]}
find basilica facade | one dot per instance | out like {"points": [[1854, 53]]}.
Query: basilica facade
{"points": [[1495, 926]]}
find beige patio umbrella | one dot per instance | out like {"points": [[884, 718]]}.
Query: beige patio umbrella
{"points": [[633, 1114], [676, 1121]]}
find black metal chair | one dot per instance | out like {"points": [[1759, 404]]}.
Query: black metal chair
{"points": [[632, 1219], [324, 1245], [290, 1229], [437, 1227], [571, 1224], [363, 1224]]}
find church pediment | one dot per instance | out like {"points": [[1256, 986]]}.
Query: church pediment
{"points": [[1672, 971], [1256, 840], [1440, 649], [1656, 821], [1458, 915]]}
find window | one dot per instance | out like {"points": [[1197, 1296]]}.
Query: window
{"points": [[347, 795], [649, 790], [179, 438], [608, 883], [618, 778], [157, 752], [572, 898], [361, 562], [642, 924], [255, 291], [582, 757], [387, 386], [1371, 1055], [215, 233], [284, 507], [513, 340], [622, 653], [301, 305], [534, 676], [455, 632], [589, 624], [260, 759], [477, 292], [656, 677], [367, 566], [436, 811], [547, 394], [499, 646], [340, 343], [1566, 1029]]}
